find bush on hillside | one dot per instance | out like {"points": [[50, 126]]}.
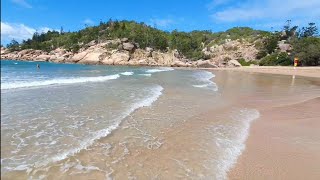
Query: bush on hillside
{"points": [[276, 59], [307, 49], [243, 62]]}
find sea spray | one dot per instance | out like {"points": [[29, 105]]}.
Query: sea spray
{"points": [[57, 81], [204, 77], [230, 139], [159, 70], [157, 91], [127, 73]]}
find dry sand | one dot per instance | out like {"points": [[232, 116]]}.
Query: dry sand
{"points": [[285, 142], [285, 70]]}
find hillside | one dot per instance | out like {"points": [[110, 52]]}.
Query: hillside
{"points": [[132, 43]]}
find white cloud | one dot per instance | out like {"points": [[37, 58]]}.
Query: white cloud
{"points": [[22, 3], [88, 21], [252, 10], [215, 3], [161, 22], [18, 32]]}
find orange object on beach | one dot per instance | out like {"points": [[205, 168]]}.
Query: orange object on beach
{"points": [[296, 60]]}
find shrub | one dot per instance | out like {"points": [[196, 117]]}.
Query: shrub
{"points": [[308, 50], [243, 62], [276, 59]]}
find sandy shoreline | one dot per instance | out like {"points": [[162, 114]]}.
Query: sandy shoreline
{"points": [[283, 70], [284, 142]]}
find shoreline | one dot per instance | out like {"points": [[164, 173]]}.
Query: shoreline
{"points": [[310, 71], [279, 141], [279, 70]]}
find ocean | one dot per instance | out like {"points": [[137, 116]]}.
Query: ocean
{"points": [[65, 121]]}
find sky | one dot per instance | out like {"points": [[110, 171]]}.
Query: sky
{"points": [[21, 18]]}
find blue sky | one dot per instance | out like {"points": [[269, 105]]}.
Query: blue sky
{"points": [[21, 18]]}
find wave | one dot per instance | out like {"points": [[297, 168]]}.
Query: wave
{"points": [[61, 81], [145, 75], [205, 78], [231, 138], [159, 70], [127, 73], [156, 93]]}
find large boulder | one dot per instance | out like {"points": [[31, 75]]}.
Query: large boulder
{"points": [[205, 64], [128, 46], [140, 54], [117, 58], [234, 63], [284, 47], [124, 40], [178, 64], [93, 57], [24, 52], [42, 57], [165, 59], [77, 57]]}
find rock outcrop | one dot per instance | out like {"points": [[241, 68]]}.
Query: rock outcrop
{"points": [[123, 52]]}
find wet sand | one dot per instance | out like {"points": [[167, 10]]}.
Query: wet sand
{"points": [[284, 143], [185, 136]]}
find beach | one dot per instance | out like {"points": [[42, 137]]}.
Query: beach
{"points": [[284, 70], [119, 122], [284, 142]]}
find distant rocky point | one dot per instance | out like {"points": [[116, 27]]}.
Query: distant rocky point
{"points": [[123, 52]]}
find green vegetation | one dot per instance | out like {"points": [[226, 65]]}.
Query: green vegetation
{"points": [[305, 41], [305, 45], [189, 44], [243, 62], [307, 50], [276, 59]]}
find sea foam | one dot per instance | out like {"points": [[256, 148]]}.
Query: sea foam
{"points": [[159, 70], [156, 93], [148, 75], [230, 139], [204, 77], [127, 73], [57, 81]]}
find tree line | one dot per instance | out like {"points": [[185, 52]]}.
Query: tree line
{"points": [[305, 41]]}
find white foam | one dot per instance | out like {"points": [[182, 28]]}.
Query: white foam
{"points": [[148, 75], [157, 91], [127, 73], [159, 70], [61, 81], [205, 78], [230, 139]]}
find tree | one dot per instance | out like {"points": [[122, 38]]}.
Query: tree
{"points": [[307, 50], [13, 45], [309, 31], [289, 31], [271, 43]]}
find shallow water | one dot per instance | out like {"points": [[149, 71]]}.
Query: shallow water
{"points": [[75, 121]]}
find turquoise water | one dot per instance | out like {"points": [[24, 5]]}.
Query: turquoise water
{"points": [[83, 121]]}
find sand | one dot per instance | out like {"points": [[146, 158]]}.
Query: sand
{"points": [[284, 70], [284, 143]]}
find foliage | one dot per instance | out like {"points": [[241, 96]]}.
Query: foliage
{"points": [[307, 50], [309, 31], [243, 62], [190, 44], [271, 43], [13, 45], [290, 32], [276, 59]]}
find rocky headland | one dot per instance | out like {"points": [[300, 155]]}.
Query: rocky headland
{"points": [[123, 52]]}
